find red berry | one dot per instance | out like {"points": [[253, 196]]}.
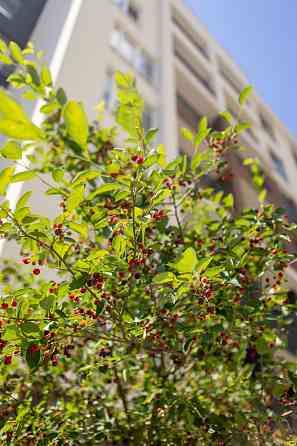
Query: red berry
{"points": [[54, 360], [140, 160], [7, 359], [26, 261], [4, 306], [36, 271], [14, 303], [113, 219], [83, 290], [34, 348]]}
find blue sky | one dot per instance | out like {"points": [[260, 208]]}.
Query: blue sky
{"points": [[261, 36]]}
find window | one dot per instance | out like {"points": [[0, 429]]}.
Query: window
{"points": [[294, 154], [143, 64], [202, 78], [266, 126], [148, 118], [226, 74], [198, 44], [138, 58], [279, 165], [129, 8], [109, 94], [190, 116], [8, 8]]}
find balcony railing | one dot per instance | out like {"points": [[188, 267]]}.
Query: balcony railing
{"points": [[198, 45], [188, 114], [194, 72]]}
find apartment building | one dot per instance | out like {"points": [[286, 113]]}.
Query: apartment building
{"points": [[181, 71]]}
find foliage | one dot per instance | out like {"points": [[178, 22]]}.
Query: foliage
{"points": [[147, 312]]}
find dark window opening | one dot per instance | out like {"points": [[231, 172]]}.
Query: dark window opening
{"points": [[189, 115], [267, 127], [198, 44], [201, 78], [279, 165]]}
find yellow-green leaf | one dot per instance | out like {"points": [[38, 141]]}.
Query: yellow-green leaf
{"points": [[23, 176], [244, 95], [10, 109], [60, 248], [25, 131], [187, 262], [165, 277], [109, 187], [76, 122], [16, 53], [23, 200], [46, 76], [75, 198], [5, 179], [81, 229], [187, 134], [12, 151]]}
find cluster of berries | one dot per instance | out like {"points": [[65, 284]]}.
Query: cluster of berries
{"points": [[138, 159]]}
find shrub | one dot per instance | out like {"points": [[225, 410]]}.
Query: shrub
{"points": [[147, 312]]}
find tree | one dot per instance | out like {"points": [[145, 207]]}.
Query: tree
{"points": [[146, 312]]}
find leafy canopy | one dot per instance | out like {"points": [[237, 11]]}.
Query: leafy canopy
{"points": [[147, 311]]}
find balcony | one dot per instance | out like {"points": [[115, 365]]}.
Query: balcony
{"points": [[194, 41], [202, 80], [187, 113]]}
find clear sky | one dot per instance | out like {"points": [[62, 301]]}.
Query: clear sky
{"points": [[261, 36]]}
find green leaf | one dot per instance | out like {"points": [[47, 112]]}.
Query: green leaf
{"points": [[227, 116], [249, 161], [187, 262], [20, 130], [23, 200], [3, 46], [123, 80], [23, 176], [150, 136], [16, 53], [12, 151], [48, 302], [203, 124], [119, 244], [187, 134], [262, 196], [76, 122], [5, 59], [229, 201], [58, 175], [30, 329], [81, 229], [5, 179], [83, 177], [164, 278], [198, 158], [32, 357], [46, 76], [75, 198], [10, 109], [99, 307], [61, 96], [109, 187], [244, 95], [60, 248], [242, 126]]}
